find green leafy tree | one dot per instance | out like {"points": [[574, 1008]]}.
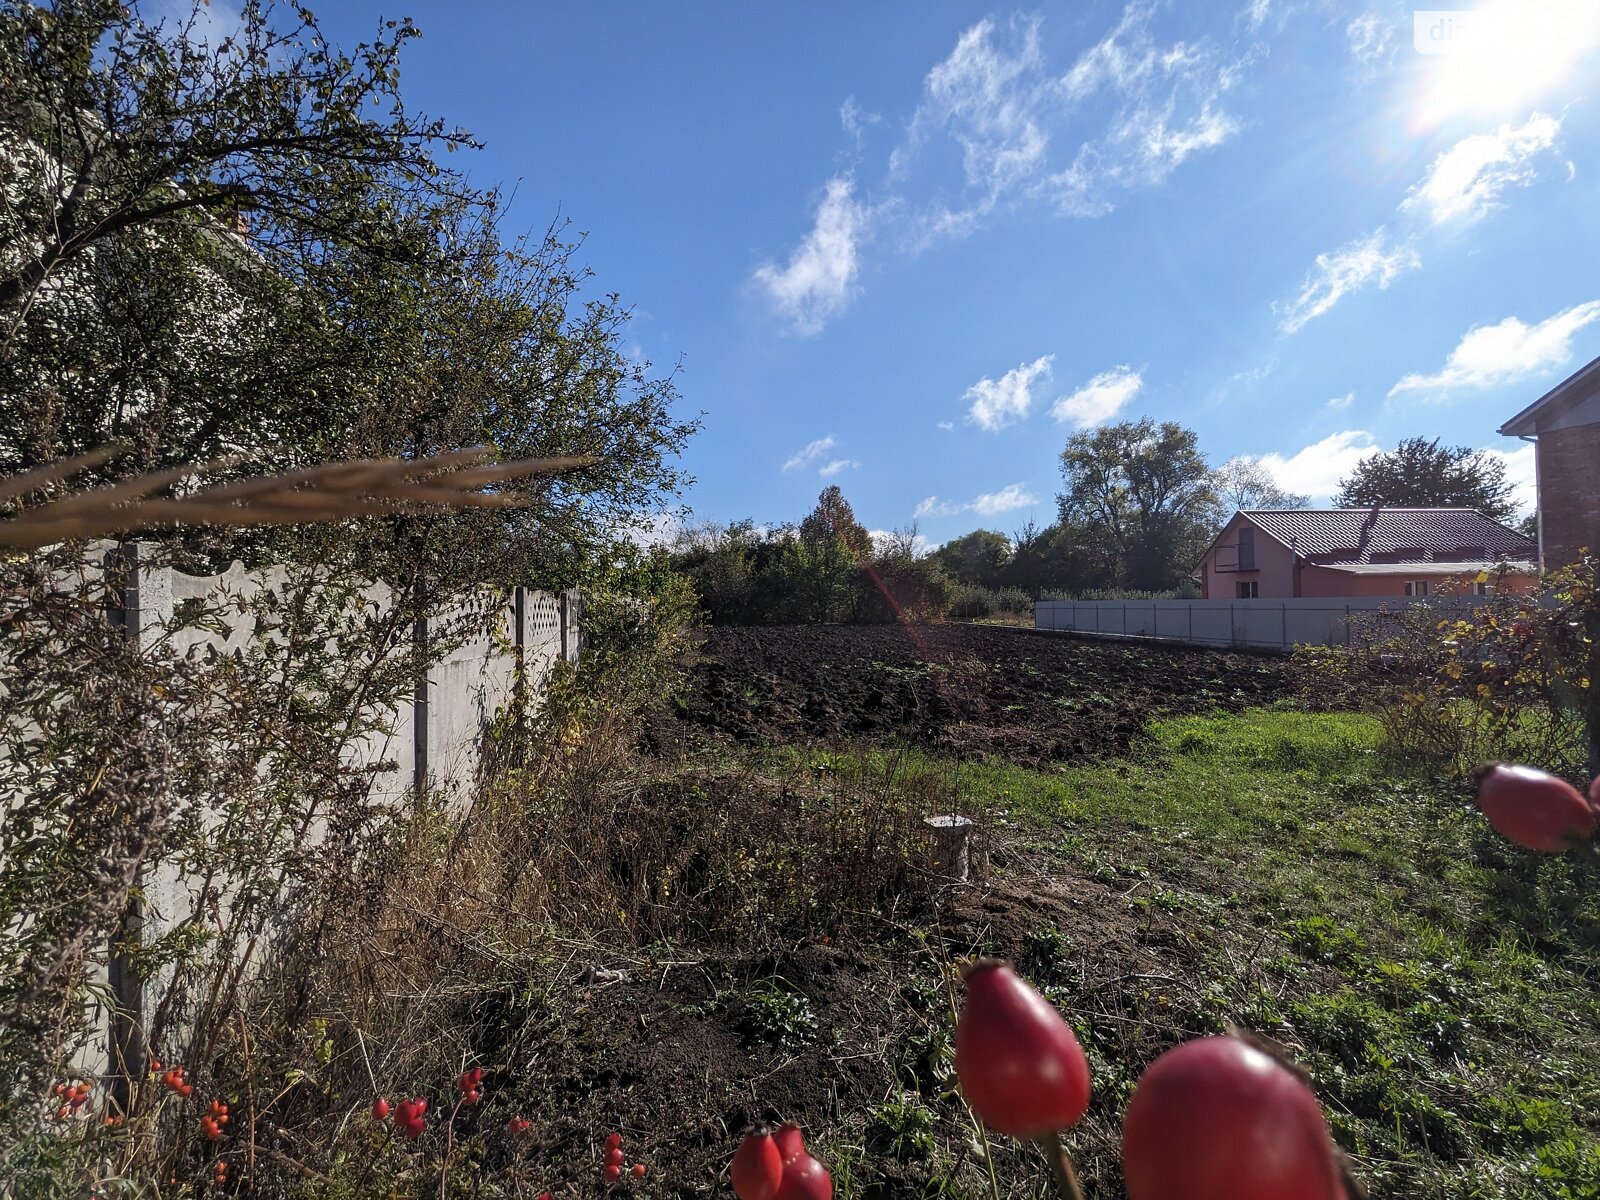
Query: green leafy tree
{"points": [[978, 558], [249, 247], [1142, 499], [1422, 473], [821, 564]]}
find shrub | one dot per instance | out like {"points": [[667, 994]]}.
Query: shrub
{"points": [[968, 602], [1512, 679]]}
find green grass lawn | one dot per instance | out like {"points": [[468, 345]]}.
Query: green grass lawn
{"points": [[1441, 985]]}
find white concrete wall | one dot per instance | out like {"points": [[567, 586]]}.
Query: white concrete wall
{"points": [[452, 711], [1242, 624]]}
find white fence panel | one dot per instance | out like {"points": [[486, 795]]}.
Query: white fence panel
{"points": [[1242, 624], [432, 741]]}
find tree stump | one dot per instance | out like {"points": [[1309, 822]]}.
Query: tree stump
{"points": [[950, 848]]}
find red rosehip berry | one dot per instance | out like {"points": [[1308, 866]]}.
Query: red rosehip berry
{"points": [[613, 1173], [1020, 1065], [804, 1178], [380, 1109], [1217, 1119], [1535, 809], [757, 1166], [409, 1117], [638, 1171], [614, 1156], [789, 1141], [613, 1140]]}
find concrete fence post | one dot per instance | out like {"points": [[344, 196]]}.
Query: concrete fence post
{"points": [[419, 708], [140, 605]]}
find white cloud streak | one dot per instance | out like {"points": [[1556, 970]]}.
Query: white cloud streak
{"points": [[837, 467], [987, 100], [1371, 38], [1508, 351], [1102, 398], [1337, 273], [1316, 470], [989, 504], [1025, 131], [1520, 473], [1464, 182], [997, 403], [1007, 499], [811, 452], [819, 280]]}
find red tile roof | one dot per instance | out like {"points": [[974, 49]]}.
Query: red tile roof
{"points": [[1340, 536]]}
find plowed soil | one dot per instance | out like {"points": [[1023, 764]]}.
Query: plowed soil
{"points": [[968, 690]]}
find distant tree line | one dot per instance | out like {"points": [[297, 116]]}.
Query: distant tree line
{"points": [[1138, 506]]}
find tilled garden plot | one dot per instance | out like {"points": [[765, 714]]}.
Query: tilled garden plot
{"points": [[963, 689]]}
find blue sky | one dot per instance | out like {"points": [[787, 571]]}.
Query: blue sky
{"points": [[911, 248]]}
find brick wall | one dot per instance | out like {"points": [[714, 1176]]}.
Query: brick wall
{"points": [[1569, 492]]}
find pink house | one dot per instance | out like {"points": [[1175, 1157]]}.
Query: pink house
{"points": [[1564, 424], [1283, 553]]}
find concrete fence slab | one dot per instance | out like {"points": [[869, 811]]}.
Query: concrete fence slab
{"points": [[1279, 625]]}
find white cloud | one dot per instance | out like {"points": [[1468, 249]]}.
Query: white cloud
{"points": [[1519, 473], [1023, 131], [1490, 355], [947, 426], [1371, 38], [1340, 403], [819, 280], [1466, 180], [1257, 11], [856, 121], [1011, 497], [989, 504], [1168, 109], [986, 98], [1316, 470], [836, 467], [811, 452], [997, 403], [932, 506], [1339, 272], [1102, 398]]}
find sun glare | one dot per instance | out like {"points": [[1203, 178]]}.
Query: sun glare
{"points": [[1499, 56]]}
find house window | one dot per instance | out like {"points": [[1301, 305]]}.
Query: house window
{"points": [[1417, 587], [1247, 548], [1248, 591]]}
